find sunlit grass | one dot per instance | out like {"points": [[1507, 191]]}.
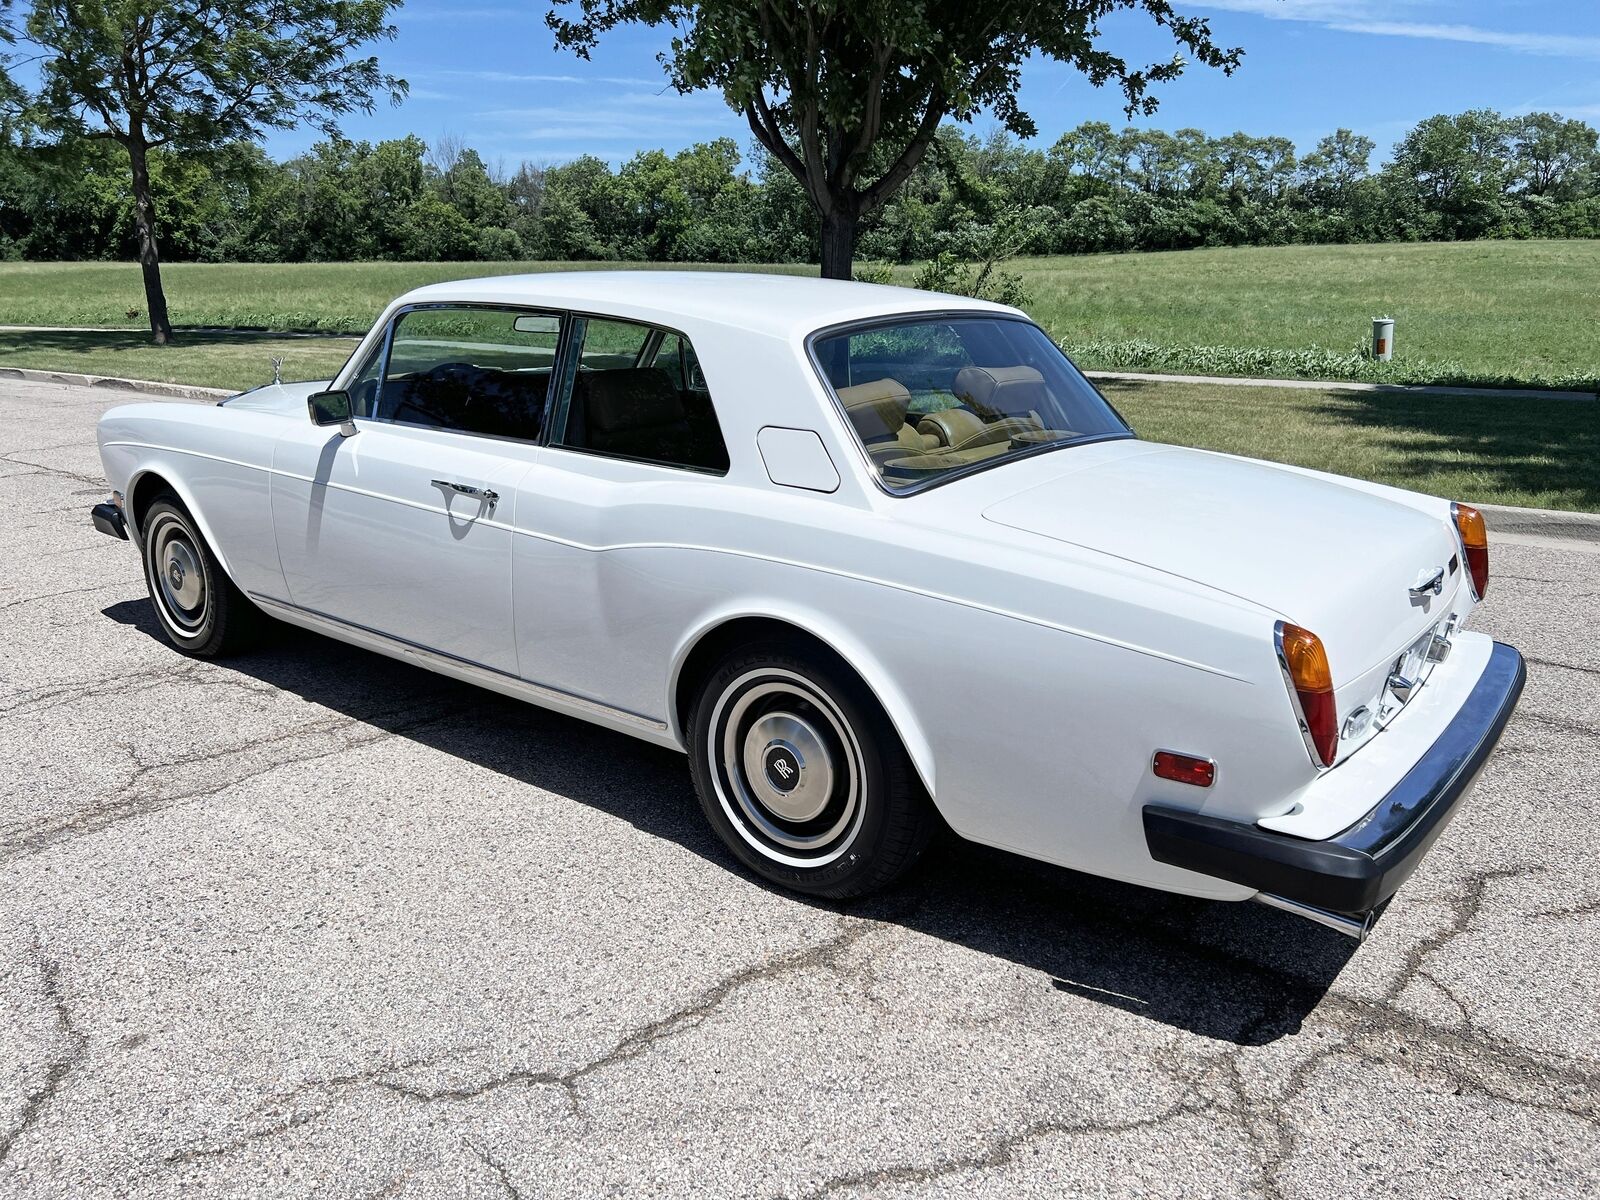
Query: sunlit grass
{"points": [[1536, 453], [1496, 309]]}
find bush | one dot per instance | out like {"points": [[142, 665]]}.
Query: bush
{"points": [[947, 273]]}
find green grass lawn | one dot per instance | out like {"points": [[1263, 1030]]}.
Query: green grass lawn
{"points": [[1543, 453], [1525, 310], [1535, 453], [222, 360], [1508, 311]]}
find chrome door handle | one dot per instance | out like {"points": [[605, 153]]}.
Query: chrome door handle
{"points": [[466, 489]]}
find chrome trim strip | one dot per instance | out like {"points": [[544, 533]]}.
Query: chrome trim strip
{"points": [[536, 693]]}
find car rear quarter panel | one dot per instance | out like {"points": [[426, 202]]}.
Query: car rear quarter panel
{"points": [[1030, 693]]}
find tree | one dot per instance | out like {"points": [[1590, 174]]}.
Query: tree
{"points": [[1552, 156], [1339, 160], [1458, 168], [847, 96], [195, 74]]}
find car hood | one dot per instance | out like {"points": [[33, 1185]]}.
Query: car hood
{"points": [[1322, 554], [286, 398]]}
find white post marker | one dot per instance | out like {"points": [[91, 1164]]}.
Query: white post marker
{"points": [[1383, 338]]}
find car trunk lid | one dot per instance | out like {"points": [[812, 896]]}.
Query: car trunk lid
{"points": [[1334, 559]]}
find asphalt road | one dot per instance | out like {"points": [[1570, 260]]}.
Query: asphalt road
{"points": [[313, 922]]}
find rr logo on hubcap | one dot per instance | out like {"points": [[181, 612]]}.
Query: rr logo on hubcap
{"points": [[782, 768]]}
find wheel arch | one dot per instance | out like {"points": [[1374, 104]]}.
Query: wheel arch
{"points": [[699, 653], [146, 483]]}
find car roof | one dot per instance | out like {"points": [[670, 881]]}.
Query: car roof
{"points": [[786, 306]]}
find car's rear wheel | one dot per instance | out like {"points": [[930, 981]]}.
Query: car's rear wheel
{"points": [[200, 610], [802, 775]]}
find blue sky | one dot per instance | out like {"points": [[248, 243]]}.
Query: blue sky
{"points": [[487, 73]]}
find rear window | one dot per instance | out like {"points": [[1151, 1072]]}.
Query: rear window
{"points": [[933, 397]]}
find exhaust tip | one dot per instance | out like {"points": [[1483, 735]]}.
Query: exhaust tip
{"points": [[1356, 925]]}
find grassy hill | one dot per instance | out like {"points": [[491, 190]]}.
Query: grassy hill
{"points": [[1469, 311]]}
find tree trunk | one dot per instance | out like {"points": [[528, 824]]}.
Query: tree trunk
{"points": [[838, 243], [144, 219]]}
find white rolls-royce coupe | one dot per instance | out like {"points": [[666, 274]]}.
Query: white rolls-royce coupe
{"points": [[874, 558]]}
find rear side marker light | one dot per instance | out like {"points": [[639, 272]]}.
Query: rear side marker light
{"points": [[1185, 768], [1310, 681], [1474, 544]]}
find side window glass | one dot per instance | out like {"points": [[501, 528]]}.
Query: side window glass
{"points": [[472, 370], [364, 387], [676, 357], [657, 411]]}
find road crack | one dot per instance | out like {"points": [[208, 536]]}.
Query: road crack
{"points": [[58, 1068]]}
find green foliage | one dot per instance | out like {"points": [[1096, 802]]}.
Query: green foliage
{"points": [[848, 97], [198, 73], [1094, 190], [1312, 362]]}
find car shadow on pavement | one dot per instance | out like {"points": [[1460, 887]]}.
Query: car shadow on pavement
{"points": [[1238, 973]]}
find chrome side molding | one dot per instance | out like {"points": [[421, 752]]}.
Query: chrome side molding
{"points": [[460, 668]]}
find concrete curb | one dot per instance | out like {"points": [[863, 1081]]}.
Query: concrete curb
{"points": [[148, 387], [1542, 523], [1335, 385]]}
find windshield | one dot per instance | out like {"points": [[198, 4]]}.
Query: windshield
{"points": [[933, 396]]}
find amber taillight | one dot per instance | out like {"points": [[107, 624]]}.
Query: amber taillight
{"points": [[1305, 670], [1475, 543]]}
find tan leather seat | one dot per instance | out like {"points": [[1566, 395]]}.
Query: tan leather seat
{"points": [[878, 411], [956, 429], [1008, 391]]}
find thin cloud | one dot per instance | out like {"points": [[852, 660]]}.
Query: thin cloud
{"points": [[1353, 16], [518, 77]]}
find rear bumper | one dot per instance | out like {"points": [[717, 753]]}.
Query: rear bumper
{"points": [[108, 519], [1358, 869]]}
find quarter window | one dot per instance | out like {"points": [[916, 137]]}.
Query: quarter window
{"points": [[637, 393], [472, 370]]}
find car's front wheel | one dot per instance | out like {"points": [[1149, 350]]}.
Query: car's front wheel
{"points": [[803, 776], [201, 611]]}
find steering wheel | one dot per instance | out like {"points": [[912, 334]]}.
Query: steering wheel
{"points": [[459, 374]]}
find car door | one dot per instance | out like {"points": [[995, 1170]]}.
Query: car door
{"points": [[633, 444], [404, 527]]}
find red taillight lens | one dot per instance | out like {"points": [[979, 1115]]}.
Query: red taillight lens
{"points": [[1475, 541], [1305, 665], [1185, 768]]}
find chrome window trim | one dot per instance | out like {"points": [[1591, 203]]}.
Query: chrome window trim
{"points": [[436, 305], [655, 335], [947, 314]]}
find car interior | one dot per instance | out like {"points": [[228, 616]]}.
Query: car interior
{"points": [[930, 398], [637, 392]]}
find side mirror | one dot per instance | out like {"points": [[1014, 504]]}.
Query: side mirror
{"points": [[331, 408]]}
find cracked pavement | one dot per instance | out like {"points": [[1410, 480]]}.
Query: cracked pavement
{"points": [[313, 921]]}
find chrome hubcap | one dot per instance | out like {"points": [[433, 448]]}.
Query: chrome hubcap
{"points": [[180, 580], [788, 768]]}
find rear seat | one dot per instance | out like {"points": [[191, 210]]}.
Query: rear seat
{"points": [[878, 412]]}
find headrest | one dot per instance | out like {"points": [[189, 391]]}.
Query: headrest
{"points": [[629, 398], [877, 409], [1001, 389]]}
